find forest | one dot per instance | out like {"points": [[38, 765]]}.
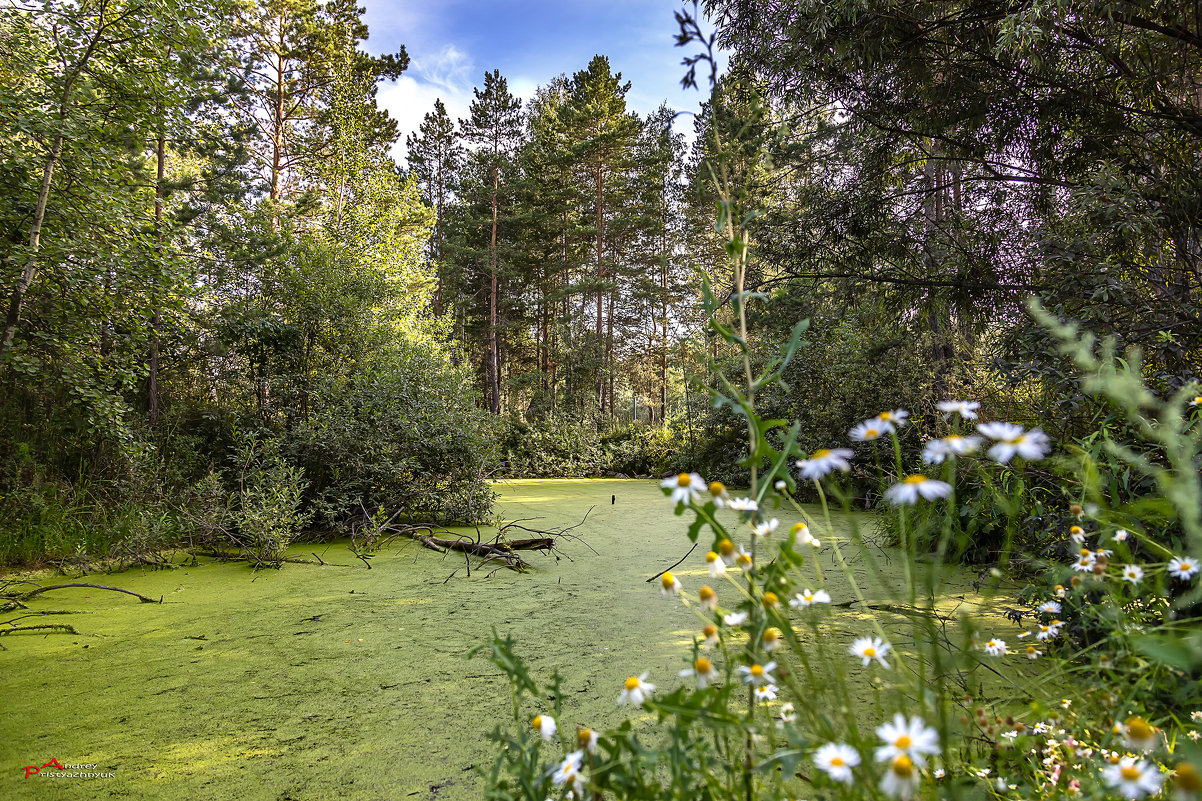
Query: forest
{"points": [[237, 324]]}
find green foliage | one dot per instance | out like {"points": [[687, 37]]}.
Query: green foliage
{"points": [[267, 511], [564, 447]]}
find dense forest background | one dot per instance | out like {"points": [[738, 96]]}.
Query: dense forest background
{"points": [[230, 315]]}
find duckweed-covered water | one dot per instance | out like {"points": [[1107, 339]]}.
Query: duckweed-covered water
{"points": [[325, 682]]}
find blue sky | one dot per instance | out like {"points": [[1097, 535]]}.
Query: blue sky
{"points": [[452, 43]]}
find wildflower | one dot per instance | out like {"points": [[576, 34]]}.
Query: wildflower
{"points": [[704, 670], [1133, 573], [1182, 569], [1049, 607], [545, 724], [801, 532], [837, 759], [1048, 631], [1197, 401], [735, 619], [1077, 534], [568, 772], [802, 600], [1013, 441], [1033, 652], [743, 504], [1060, 591], [787, 714], [716, 566], [1077, 510], [912, 486], [719, 494], [1138, 735], [966, 409], [766, 693], [911, 738], [727, 549], [937, 450], [766, 528], [939, 773], [772, 637], [1189, 783], [1084, 563], [743, 559], [901, 780], [636, 690], [870, 648], [897, 417], [770, 600], [995, 648], [757, 675], [1121, 535], [824, 461], [685, 487], [710, 633], [870, 430], [1132, 778], [668, 584], [708, 598], [780, 485], [587, 739]]}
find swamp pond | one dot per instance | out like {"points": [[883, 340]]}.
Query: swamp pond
{"points": [[317, 682]]}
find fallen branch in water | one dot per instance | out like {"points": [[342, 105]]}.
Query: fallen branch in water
{"points": [[57, 626], [27, 595]]}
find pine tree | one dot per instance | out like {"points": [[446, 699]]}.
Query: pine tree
{"points": [[435, 157]]}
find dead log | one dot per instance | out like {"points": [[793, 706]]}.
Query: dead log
{"points": [[26, 596], [56, 626], [503, 551]]}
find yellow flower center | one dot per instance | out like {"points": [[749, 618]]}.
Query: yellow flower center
{"points": [[584, 737], [711, 557], [1138, 729], [903, 767], [870, 651], [954, 438], [744, 558], [1031, 649], [1114, 759], [916, 478], [837, 762], [702, 665], [871, 433], [1188, 779], [798, 528], [632, 683], [716, 487], [885, 416], [1085, 552], [821, 453], [668, 580], [705, 594], [772, 635], [1130, 773], [710, 631], [1076, 530], [1043, 629], [770, 599], [903, 742], [683, 480], [757, 671], [809, 596], [1076, 509], [726, 547], [537, 722], [1186, 567]]}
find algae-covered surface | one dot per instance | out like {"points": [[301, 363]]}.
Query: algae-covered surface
{"points": [[317, 682]]}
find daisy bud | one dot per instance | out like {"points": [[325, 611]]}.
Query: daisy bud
{"points": [[1075, 582], [770, 600], [708, 598], [1076, 510]]}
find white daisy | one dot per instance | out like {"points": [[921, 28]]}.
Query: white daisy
{"points": [[911, 738], [937, 450], [685, 487], [824, 461], [1133, 573], [870, 648], [1033, 652], [1013, 441], [801, 533], [1121, 535], [901, 779], [710, 635], [718, 492], [995, 647], [1077, 534], [772, 638], [758, 675], [766, 693], [896, 418], [1050, 607], [568, 772], [1138, 735], [743, 504], [1048, 631], [837, 759], [708, 598], [787, 713], [716, 566], [870, 430], [966, 409], [704, 670], [668, 584], [727, 549], [780, 485], [545, 724], [766, 528], [908, 490], [1182, 568], [1132, 778], [636, 690], [805, 599], [1085, 563], [735, 619], [587, 738], [743, 559]]}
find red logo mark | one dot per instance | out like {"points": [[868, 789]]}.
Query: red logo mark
{"points": [[30, 770]]}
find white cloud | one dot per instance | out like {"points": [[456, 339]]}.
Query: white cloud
{"points": [[445, 75]]}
